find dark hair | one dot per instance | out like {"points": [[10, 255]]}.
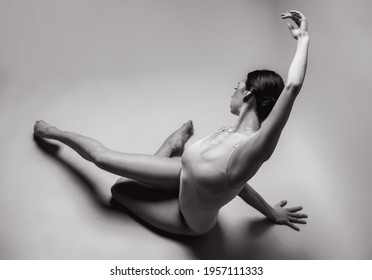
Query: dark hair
{"points": [[266, 87]]}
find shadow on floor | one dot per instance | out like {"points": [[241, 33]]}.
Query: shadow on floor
{"points": [[219, 243]]}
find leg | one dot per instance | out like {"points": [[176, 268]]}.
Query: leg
{"points": [[173, 145], [152, 206], [151, 170], [157, 208]]}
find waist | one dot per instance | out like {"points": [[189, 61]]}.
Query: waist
{"points": [[200, 221], [200, 214]]}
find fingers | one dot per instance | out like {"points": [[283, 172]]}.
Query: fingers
{"points": [[296, 16], [298, 215], [295, 209], [297, 13], [297, 221], [292, 217], [291, 209], [290, 26], [286, 15], [282, 203], [293, 14], [293, 226], [290, 15], [296, 218]]}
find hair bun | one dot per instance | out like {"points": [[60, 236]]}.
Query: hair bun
{"points": [[265, 86]]}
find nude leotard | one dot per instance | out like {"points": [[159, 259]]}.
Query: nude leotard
{"points": [[204, 188]]}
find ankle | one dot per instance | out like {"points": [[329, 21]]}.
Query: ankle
{"points": [[165, 150]]}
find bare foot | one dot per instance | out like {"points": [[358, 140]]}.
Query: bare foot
{"points": [[175, 143], [42, 129], [178, 139]]}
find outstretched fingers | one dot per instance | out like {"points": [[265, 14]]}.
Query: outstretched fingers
{"points": [[294, 209], [289, 216], [298, 221], [282, 203], [294, 217], [298, 215], [292, 226]]}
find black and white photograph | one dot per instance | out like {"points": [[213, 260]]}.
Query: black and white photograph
{"points": [[185, 130]]}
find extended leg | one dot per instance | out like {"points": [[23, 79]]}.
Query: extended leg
{"points": [[155, 207], [156, 171]]}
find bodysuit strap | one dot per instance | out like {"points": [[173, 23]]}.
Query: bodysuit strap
{"points": [[228, 162]]}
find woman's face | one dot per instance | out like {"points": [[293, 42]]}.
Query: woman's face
{"points": [[237, 98]]}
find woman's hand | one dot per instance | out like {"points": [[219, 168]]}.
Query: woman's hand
{"points": [[301, 22], [288, 216]]}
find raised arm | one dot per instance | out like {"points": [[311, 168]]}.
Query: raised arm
{"points": [[277, 214], [297, 70], [272, 127]]}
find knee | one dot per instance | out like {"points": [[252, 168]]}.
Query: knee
{"points": [[123, 180], [98, 156], [123, 188], [116, 190], [118, 193]]}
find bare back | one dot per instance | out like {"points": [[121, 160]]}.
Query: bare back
{"points": [[204, 180]]}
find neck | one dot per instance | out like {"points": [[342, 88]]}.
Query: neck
{"points": [[247, 119]]}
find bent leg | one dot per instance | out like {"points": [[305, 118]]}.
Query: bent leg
{"points": [[153, 207], [156, 171], [173, 145]]}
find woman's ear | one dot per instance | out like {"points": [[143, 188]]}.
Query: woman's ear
{"points": [[247, 95]]}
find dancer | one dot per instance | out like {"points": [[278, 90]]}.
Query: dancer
{"points": [[215, 169]]}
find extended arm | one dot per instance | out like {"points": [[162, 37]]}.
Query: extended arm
{"points": [[272, 127], [297, 70], [277, 214], [254, 199]]}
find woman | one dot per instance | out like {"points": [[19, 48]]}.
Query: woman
{"points": [[215, 169]]}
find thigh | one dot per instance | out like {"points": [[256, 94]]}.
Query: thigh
{"points": [[158, 208], [152, 170]]}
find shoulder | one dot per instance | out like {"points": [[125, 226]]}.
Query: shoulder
{"points": [[225, 128]]}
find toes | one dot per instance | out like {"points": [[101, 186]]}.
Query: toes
{"points": [[40, 128], [188, 124], [188, 128]]}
